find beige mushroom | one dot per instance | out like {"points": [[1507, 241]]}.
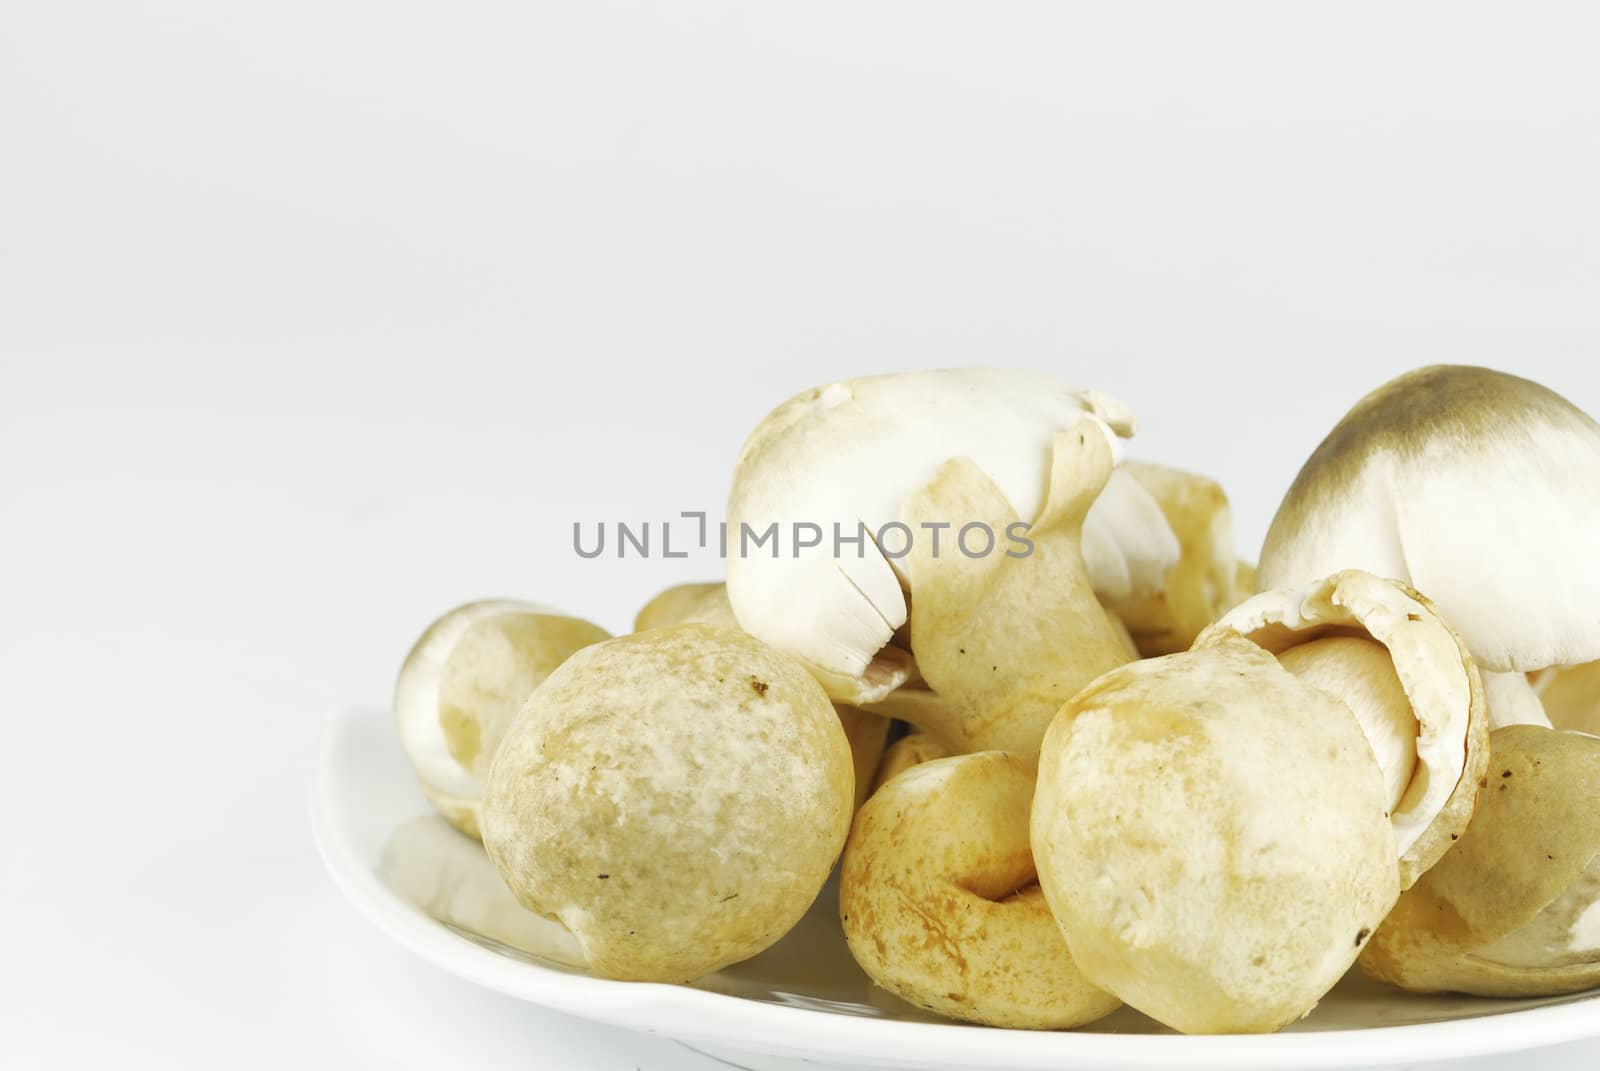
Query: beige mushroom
{"points": [[708, 603], [676, 798], [1203, 583], [845, 458], [939, 901], [1477, 488], [1211, 835], [1001, 641], [463, 683], [1514, 909], [1570, 696], [913, 749], [1381, 650], [703, 602]]}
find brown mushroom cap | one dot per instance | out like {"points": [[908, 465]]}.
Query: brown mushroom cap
{"points": [[676, 798], [1480, 489], [939, 904], [1210, 835], [1535, 836], [1435, 670]]}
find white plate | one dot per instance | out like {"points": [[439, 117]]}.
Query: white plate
{"points": [[434, 892]]}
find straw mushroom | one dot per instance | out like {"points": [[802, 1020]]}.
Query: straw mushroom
{"points": [[708, 603], [703, 602], [1478, 488], [1381, 650], [912, 749], [676, 798], [1211, 835], [1570, 696], [1514, 909], [828, 472], [462, 684], [940, 905], [1205, 580], [1000, 641]]}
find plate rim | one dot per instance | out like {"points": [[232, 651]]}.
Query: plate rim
{"points": [[752, 1026]]}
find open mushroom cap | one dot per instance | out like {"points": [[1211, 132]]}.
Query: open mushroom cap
{"points": [[850, 453], [462, 684], [1210, 835], [1440, 685], [939, 902], [1203, 582], [1514, 908], [1476, 487], [676, 798]]}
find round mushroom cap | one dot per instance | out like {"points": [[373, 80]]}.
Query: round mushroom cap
{"points": [[1513, 910], [1435, 671], [676, 798], [462, 684], [1476, 487], [845, 457], [940, 906], [1210, 835], [1203, 583], [708, 604]]}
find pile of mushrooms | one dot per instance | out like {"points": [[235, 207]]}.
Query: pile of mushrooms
{"points": [[1064, 749]]}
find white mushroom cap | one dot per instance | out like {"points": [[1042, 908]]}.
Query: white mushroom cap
{"points": [[1438, 678], [850, 453], [1478, 488]]}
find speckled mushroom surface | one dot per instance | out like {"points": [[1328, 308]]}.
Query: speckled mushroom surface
{"points": [[676, 798], [1211, 836]]}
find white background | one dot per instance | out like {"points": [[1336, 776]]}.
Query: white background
{"points": [[318, 318]]}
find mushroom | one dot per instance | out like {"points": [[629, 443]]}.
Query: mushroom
{"points": [[940, 905], [1514, 909], [708, 603], [1570, 696], [1000, 641], [1211, 835], [704, 602], [463, 683], [1205, 580], [676, 798], [829, 471], [1381, 650], [912, 749], [1478, 488]]}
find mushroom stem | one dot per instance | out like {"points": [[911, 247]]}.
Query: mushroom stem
{"points": [[1360, 674], [1512, 701]]}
